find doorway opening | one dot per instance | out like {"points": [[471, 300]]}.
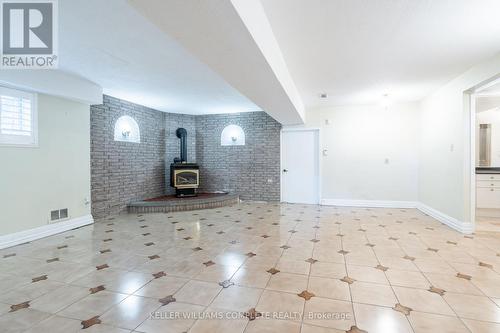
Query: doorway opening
{"points": [[485, 157]]}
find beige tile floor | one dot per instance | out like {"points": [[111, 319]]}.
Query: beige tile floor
{"points": [[356, 270], [488, 221]]}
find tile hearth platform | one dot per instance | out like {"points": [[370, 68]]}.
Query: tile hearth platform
{"points": [[270, 267], [170, 203]]}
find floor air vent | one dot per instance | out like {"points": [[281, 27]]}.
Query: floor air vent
{"points": [[59, 214]]}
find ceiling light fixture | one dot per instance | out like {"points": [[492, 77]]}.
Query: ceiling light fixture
{"points": [[385, 102]]}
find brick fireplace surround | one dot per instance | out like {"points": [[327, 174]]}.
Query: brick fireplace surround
{"points": [[122, 172]]}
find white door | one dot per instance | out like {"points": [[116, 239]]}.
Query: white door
{"points": [[299, 166]]}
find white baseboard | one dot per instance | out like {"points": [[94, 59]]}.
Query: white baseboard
{"points": [[463, 227], [369, 203], [44, 231]]}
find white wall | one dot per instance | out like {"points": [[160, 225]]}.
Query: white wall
{"points": [[444, 175], [55, 175], [359, 139]]}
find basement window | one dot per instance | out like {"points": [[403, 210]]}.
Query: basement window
{"points": [[127, 130], [18, 118]]}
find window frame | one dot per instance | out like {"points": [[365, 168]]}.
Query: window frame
{"points": [[12, 140]]}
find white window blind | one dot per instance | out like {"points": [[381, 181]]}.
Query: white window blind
{"points": [[18, 117]]}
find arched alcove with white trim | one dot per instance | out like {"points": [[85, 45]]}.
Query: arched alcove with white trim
{"points": [[232, 135], [127, 130]]}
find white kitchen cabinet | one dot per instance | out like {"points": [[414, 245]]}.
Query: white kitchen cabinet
{"points": [[488, 191]]}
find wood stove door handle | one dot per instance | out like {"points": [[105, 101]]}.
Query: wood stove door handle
{"points": [[285, 170]]}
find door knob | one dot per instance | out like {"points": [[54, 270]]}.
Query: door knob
{"points": [[285, 170]]}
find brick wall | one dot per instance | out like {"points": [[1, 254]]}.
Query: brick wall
{"points": [[252, 170], [125, 171], [122, 171]]}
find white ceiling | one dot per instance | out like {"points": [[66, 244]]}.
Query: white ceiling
{"points": [[358, 50], [234, 38], [110, 43]]}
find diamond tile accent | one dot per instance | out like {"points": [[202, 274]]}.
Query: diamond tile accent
{"points": [[226, 284], [354, 329], [39, 278], [19, 306], [403, 309], [166, 300], [252, 314], [273, 271], [90, 322], [159, 274], [483, 264], [348, 280], [307, 295], [437, 290], [464, 276], [97, 289]]}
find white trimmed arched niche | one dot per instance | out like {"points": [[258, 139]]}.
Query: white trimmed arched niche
{"points": [[232, 135], [127, 130]]}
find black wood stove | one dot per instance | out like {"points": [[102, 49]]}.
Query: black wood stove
{"points": [[184, 176]]}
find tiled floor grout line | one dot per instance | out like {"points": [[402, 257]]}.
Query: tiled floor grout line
{"points": [[339, 229], [240, 267], [424, 241], [316, 222], [430, 284], [444, 299], [188, 280], [283, 252], [385, 273]]}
